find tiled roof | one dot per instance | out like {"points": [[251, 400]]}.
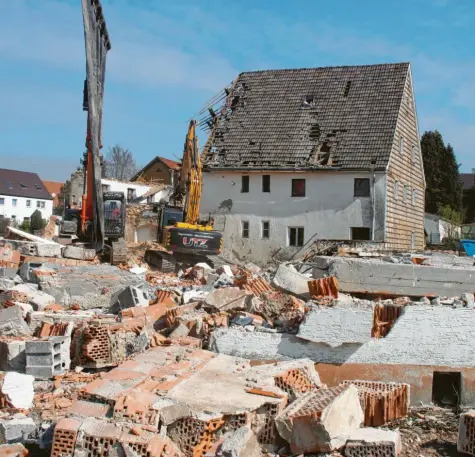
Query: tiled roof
{"points": [[468, 180], [22, 184], [169, 163], [333, 116]]}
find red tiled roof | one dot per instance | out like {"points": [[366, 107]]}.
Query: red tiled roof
{"points": [[53, 187], [169, 163]]}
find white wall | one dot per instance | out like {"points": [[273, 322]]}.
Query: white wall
{"points": [[437, 229], [117, 186], [21, 210], [327, 211]]}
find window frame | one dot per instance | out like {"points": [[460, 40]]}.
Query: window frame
{"points": [[299, 233], [401, 144], [357, 193], [405, 192], [293, 189], [245, 229], [414, 196], [266, 184], [263, 230], [28, 203], [245, 184], [14, 202], [396, 190], [2, 201], [414, 151]]}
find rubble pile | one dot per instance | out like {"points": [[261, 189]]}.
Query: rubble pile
{"points": [[103, 360]]}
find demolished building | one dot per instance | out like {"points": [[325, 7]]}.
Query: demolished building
{"points": [[300, 155]]}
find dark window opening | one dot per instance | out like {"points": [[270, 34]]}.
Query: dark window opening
{"points": [[296, 236], [23, 185], [298, 187], [265, 229], [38, 187], [446, 388], [361, 187], [130, 194], [245, 229], [265, 183], [360, 233], [347, 89], [9, 184], [245, 184], [315, 132]]}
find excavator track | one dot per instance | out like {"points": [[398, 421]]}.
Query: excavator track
{"points": [[118, 252]]}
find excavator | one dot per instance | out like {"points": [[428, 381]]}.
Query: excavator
{"points": [[101, 219], [188, 239]]}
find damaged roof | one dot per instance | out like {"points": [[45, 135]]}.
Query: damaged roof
{"points": [[343, 117]]}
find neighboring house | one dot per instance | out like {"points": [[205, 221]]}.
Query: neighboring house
{"points": [[468, 180], [159, 170], [437, 229], [321, 153], [54, 188], [21, 193]]}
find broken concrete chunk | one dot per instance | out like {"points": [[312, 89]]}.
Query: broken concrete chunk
{"points": [[321, 420], [228, 298], [373, 441], [38, 299], [12, 322], [466, 438], [468, 299], [226, 269], [224, 280], [289, 279], [13, 450], [130, 297], [180, 331], [19, 389], [12, 355], [79, 252], [337, 326], [17, 430], [240, 443]]}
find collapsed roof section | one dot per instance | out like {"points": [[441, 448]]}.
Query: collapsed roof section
{"points": [[331, 117]]}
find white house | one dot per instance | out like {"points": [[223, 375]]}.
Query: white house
{"points": [[296, 156], [21, 193], [437, 229]]}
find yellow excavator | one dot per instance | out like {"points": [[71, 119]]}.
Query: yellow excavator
{"points": [[180, 230]]}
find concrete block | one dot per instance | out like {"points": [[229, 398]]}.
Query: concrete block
{"points": [[130, 297], [370, 276], [321, 420], [466, 438], [228, 298], [29, 248], [224, 280], [12, 355], [47, 358], [373, 441], [337, 326], [12, 322], [290, 280], [8, 272], [241, 443], [180, 331], [212, 278], [17, 430], [19, 388], [79, 253], [38, 299]]}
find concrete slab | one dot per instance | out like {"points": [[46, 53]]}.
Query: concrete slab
{"points": [[19, 388], [12, 355], [228, 298], [373, 441], [290, 280], [241, 443], [17, 430], [12, 322], [79, 252]]}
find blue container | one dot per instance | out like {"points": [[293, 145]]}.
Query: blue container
{"points": [[469, 246]]}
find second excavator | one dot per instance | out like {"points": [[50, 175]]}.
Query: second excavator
{"points": [[187, 239]]}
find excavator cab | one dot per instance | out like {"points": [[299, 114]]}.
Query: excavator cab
{"points": [[114, 214]]}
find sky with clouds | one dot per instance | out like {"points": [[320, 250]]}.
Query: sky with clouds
{"points": [[169, 57]]}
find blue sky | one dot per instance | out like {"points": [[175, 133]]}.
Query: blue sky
{"points": [[169, 58]]}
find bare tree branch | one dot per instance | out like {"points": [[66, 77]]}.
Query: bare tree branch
{"points": [[119, 164]]}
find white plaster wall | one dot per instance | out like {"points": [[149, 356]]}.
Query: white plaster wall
{"points": [[327, 211], [423, 335], [21, 210], [438, 229], [118, 186]]}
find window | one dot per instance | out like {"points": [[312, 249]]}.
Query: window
{"points": [[347, 89], [37, 187], [245, 229], [2, 201], [360, 233], [14, 201], [130, 194], [414, 153], [296, 236], [40, 204], [28, 203], [401, 144], [9, 184], [265, 183], [361, 187], [245, 184], [23, 185], [414, 197], [298, 188], [13, 217], [413, 240], [265, 229], [405, 194], [446, 388], [396, 189]]}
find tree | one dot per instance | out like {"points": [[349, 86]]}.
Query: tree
{"points": [[443, 185], [63, 197], [119, 164], [36, 221]]}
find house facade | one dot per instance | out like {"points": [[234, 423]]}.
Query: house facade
{"points": [[296, 156], [22, 193], [158, 170], [54, 188]]}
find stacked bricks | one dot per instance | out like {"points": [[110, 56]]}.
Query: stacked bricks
{"points": [[45, 358], [382, 402], [65, 435], [466, 440], [91, 346], [324, 287]]}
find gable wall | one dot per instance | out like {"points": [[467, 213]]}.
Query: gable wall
{"points": [[404, 218]]}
